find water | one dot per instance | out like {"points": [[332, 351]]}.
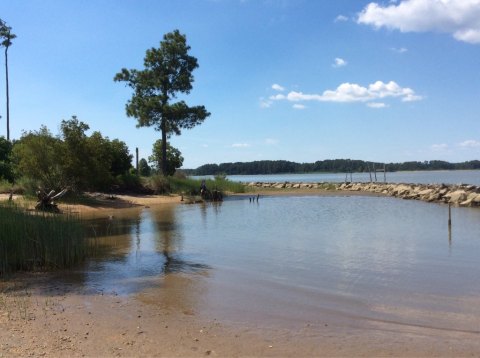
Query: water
{"points": [[286, 261], [417, 177]]}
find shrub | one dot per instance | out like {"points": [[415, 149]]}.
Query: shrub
{"points": [[159, 184]]}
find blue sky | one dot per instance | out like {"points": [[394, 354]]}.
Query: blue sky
{"points": [[298, 80]]}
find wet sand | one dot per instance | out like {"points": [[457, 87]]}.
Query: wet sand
{"points": [[42, 318], [42, 314]]}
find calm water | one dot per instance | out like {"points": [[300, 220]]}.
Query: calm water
{"points": [[291, 260], [417, 177]]}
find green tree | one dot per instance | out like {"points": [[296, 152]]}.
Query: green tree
{"points": [[144, 168], [92, 162], [174, 158], [36, 155], [6, 171], [121, 160], [76, 158], [167, 73], [6, 36]]}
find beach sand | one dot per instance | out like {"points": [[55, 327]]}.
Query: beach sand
{"points": [[41, 315]]}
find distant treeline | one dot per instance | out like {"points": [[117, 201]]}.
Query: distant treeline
{"points": [[327, 166]]}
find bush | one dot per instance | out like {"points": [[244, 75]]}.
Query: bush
{"points": [[129, 182], [159, 184]]}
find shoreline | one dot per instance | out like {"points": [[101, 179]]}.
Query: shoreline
{"points": [[41, 316], [47, 314]]}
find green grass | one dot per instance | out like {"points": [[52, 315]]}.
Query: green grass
{"points": [[192, 186], [33, 241]]}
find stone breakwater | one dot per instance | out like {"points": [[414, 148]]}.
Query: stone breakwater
{"points": [[458, 195]]}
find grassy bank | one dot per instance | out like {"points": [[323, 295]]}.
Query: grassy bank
{"points": [[189, 186], [31, 241]]}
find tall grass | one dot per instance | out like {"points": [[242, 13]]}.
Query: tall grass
{"points": [[31, 241], [192, 186]]}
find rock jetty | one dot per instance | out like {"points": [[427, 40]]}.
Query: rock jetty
{"points": [[457, 195]]}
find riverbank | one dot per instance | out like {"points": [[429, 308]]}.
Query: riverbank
{"points": [[44, 315], [54, 314]]}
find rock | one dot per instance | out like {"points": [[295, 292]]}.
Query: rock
{"points": [[456, 197], [425, 192], [401, 189], [466, 203]]}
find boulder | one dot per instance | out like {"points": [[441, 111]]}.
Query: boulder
{"points": [[456, 197]]}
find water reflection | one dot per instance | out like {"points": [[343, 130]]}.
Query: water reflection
{"points": [[297, 259], [136, 251]]}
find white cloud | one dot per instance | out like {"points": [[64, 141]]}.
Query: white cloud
{"points": [[439, 147], [352, 92], [265, 103], [277, 87], [376, 105], [461, 18], [341, 18], [399, 50], [339, 62], [240, 145], [299, 106], [470, 143], [278, 97]]}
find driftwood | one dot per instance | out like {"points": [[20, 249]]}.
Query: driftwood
{"points": [[46, 202]]}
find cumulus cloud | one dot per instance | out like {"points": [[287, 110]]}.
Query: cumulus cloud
{"points": [[376, 105], [460, 18], [470, 143], [299, 106], [339, 62], [277, 87], [240, 145], [352, 92], [341, 18]]}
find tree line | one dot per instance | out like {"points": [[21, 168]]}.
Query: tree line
{"points": [[71, 159], [326, 166]]}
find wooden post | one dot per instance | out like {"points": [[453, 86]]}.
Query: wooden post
{"points": [[384, 174], [375, 172], [136, 155], [369, 172], [449, 215]]}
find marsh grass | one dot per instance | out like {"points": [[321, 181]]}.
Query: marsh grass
{"points": [[36, 240], [192, 186]]}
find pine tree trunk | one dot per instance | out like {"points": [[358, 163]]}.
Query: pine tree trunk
{"points": [[164, 148], [8, 97]]}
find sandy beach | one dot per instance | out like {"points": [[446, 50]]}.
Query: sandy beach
{"points": [[41, 314]]}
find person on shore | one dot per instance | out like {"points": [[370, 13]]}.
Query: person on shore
{"points": [[203, 187]]}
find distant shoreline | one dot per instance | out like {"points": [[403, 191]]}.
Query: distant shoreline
{"points": [[329, 166]]}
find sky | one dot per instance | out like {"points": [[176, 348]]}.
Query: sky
{"points": [[298, 80]]}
